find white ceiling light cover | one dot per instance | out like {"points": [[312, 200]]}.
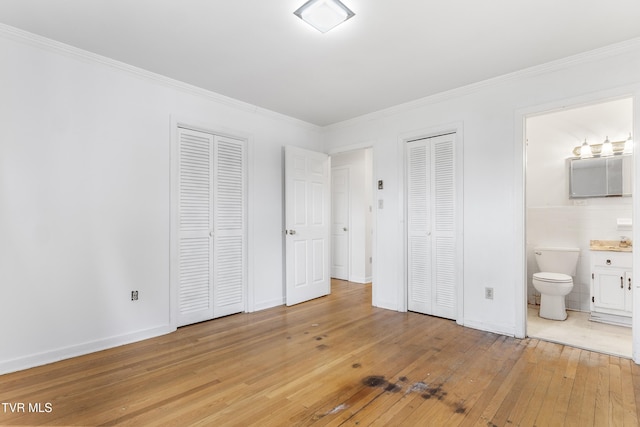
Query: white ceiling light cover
{"points": [[324, 15]]}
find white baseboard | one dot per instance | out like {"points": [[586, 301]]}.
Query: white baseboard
{"points": [[489, 327], [359, 279], [387, 305], [263, 305], [47, 357]]}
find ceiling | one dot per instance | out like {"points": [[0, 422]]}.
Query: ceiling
{"points": [[391, 52], [593, 123]]}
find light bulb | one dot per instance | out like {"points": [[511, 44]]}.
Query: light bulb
{"points": [[607, 148], [585, 150]]}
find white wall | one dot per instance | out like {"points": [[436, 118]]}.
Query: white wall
{"points": [[358, 162], [368, 215], [85, 197], [493, 166], [85, 184], [552, 218]]}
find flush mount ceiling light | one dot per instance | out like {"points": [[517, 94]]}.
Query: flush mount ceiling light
{"points": [[324, 15]]}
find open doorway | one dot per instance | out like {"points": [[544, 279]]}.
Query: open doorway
{"points": [[352, 215], [557, 219]]}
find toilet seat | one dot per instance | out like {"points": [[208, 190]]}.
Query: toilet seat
{"points": [[552, 277]]}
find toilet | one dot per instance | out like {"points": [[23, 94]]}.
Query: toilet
{"points": [[554, 281]]}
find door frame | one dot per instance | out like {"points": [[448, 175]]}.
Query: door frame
{"points": [[403, 280], [176, 122], [368, 144], [520, 152]]}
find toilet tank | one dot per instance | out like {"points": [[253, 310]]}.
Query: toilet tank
{"points": [[557, 260]]}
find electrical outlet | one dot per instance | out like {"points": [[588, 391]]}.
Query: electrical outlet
{"points": [[134, 295], [488, 293]]}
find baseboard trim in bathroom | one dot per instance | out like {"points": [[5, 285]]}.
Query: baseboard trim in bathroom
{"points": [[610, 319]]}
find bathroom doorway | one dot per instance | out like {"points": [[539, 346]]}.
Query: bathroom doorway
{"points": [[554, 219]]}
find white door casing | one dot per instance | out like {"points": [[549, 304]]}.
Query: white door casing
{"points": [[340, 214], [431, 226], [307, 225]]}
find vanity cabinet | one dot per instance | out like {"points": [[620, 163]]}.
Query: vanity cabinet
{"points": [[611, 283]]}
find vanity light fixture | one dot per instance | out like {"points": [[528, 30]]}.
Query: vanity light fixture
{"points": [[628, 145], [324, 15], [607, 148], [585, 150]]}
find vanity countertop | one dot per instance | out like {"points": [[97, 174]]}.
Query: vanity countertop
{"points": [[610, 245]]}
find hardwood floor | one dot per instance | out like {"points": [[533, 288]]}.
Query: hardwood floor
{"points": [[328, 362]]}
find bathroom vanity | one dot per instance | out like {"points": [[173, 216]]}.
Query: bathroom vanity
{"points": [[611, 282]]}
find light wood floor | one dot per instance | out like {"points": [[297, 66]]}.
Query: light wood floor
{"points": [[332, 361]]}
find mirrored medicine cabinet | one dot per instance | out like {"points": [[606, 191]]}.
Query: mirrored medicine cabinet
{"points": [[600, 177]]}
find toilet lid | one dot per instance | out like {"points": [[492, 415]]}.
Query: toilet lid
{"points": [[553, 277]]}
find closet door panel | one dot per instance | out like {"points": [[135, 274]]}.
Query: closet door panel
{"points": [[443, 199], [419, 227], [230, 224], [195, 224]]}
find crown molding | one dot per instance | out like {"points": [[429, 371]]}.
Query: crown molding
{"points": [[83, 55], [552, 66], [47, 44]]}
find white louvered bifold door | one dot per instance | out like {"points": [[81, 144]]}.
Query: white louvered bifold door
{"points": [[195, 227], [431, 219], [211, 226], [419, 226], [443, 226], [229, 225]]}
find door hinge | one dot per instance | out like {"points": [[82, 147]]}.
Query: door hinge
{"points": [[593, 276], [593, 299]]}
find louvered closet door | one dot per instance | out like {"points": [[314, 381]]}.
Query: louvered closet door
{"points": [[431, 219], [419, 226], [212, 223], [195, 227], [229, 220]]}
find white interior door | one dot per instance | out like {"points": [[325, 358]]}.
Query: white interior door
{"points": [[229, 237], [431, 219], [195, 227], [340, 223], [211, 226], [307, 223]]}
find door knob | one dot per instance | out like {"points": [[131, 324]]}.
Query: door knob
{"points": [[292, 232], [344, 228], [211, 234]]}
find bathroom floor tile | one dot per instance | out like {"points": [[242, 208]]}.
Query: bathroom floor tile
{"points": [[579, 331]]}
